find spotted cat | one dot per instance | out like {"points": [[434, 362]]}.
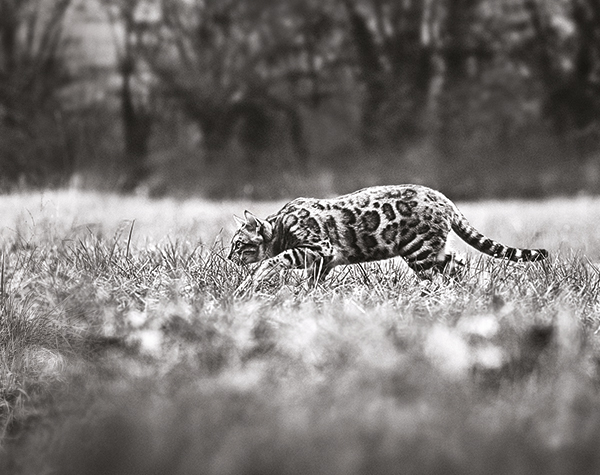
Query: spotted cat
{"points": [[374, 223]]}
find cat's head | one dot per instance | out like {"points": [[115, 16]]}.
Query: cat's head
{"points": [[249, 243]]}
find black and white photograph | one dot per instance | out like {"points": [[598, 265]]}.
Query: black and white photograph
{"points": [[299, 237]]}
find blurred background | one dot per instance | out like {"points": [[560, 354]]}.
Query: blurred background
{"points": [[267, 99]]}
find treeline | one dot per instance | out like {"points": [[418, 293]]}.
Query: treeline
{"points": [[275, 97]]}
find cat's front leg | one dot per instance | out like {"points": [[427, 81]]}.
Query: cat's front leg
{"points": [[296, 258], [265, 271]]}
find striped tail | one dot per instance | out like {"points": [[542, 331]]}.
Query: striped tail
{"points": [[474, 238]]}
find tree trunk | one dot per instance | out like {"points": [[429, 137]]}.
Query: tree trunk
{"points": [[136, 119], [371, 72]]}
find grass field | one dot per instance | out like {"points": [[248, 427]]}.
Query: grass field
{"points": [[123, 350]]}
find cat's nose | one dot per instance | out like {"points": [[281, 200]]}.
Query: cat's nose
{"points": [[233, 256]]}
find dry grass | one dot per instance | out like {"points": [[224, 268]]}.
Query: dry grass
{"points": [[124, 351]]}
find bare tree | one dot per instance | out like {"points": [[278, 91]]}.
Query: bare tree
{"points": [[219, 60], [31, 74], [395, 50], [573, 96], [136, 113]]}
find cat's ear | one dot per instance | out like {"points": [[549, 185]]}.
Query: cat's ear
{"points": [[266, 229], [259, 226], [252, 222], [239, 221]]}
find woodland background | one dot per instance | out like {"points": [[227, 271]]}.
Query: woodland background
{"points": [[271, 98]]}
